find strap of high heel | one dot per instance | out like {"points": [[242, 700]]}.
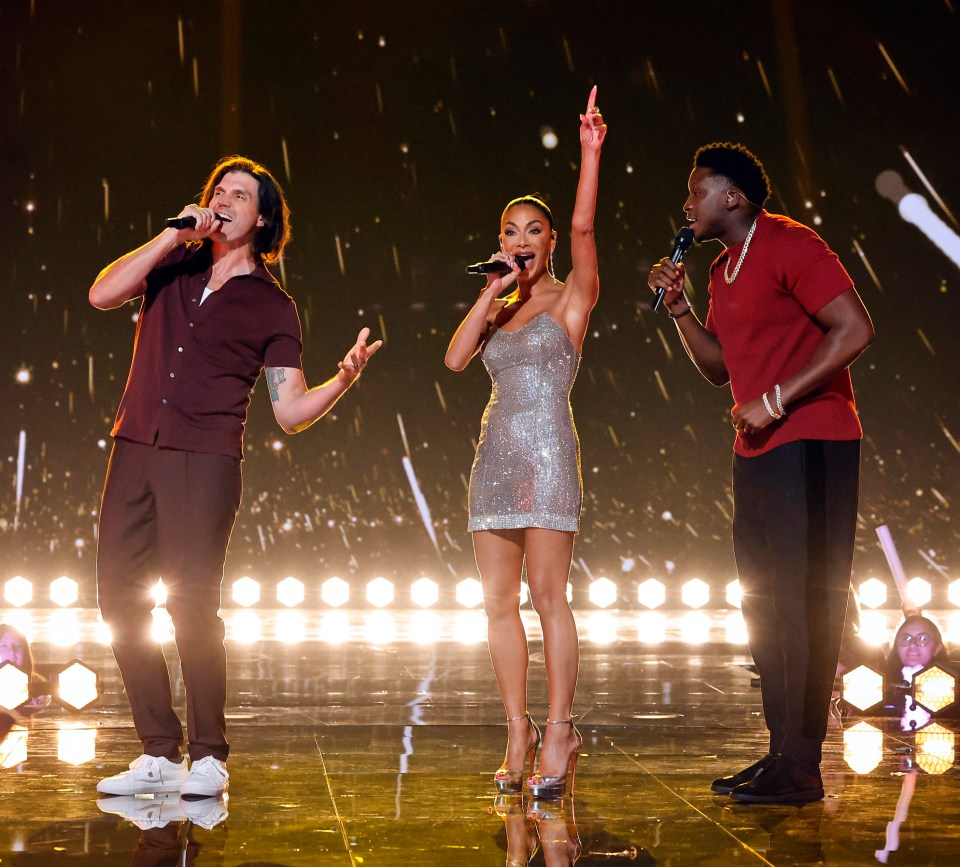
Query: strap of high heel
{"points": [[569, 719], [524, 715]]}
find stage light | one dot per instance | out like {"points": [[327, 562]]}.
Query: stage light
{"points": [[603, 592], [651, 627], [335, 592], [862, 747], [862, 687], [379, 627], [380, 592], [64, 591], [245, 627], [736, 629], [873, 593], [425, 627], [159, 593], [290, 592], [953, 592], [102, 632], [246, 591], [14, 686], [291, 627], [952, 635], [13, 748], [18, 591], [734, 593], [873, 627], [22, 620], [695, 628], [548, 138], [424, 592], [76, 686], [695, 593], [920, 591], [601, 628], [76, 744], [934, 689], [652, 593], [470, 627], [470, 593], [936, 749], [161, 629], [63, 628], [334, 627]]}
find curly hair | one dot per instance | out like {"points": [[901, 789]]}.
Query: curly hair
{"points": [[735, 163]]}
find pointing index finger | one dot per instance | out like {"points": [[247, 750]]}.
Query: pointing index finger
{"points": [[592, 99]]}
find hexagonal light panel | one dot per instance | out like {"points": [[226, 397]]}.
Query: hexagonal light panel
{"points": [[64, 591], [14, 686], [934, 689], [862, 747], [76, 744], [335, 592], [953, 592], [18, 591], [935, 748], [380, 592], [920, 591], [470, 593], [603, 592], [77, 686], [425, 592], [246, 591], [734, 593], [290, 592], [862, 687], [873, 593], [695, 593], [652, 593]]}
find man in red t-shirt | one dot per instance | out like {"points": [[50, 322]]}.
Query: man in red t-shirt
{"points": [[212, 317], [783, 326]]}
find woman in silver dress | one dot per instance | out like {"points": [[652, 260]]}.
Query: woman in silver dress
{"points": [[525, 487]]}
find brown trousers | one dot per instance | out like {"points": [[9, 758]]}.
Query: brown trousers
{"points": [[168, 513]]}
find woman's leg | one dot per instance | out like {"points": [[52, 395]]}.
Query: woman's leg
{"points": [[549, 553], [499, 556]]}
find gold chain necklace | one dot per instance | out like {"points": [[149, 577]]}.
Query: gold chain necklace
{"points": [[743, 255]]}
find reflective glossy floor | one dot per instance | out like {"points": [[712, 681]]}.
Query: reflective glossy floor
{"points": [[357, 754]]}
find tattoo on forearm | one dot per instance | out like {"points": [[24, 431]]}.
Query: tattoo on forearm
{"points": [[274, 376]]}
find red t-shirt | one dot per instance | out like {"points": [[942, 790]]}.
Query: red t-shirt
{"points": [[195, 364], [765, 323]]}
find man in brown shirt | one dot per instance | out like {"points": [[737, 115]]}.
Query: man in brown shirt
{"points": [[211, 319]]}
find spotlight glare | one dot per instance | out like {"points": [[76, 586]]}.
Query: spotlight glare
{"points": [[695, 593], [18, 591], [953, 628], [936, 749], [64, 627], [161, 629], [291, 627], [548, 138], [76, 744], [651, 627], [603, 592], [425, 592], [873, 593], [470, 593], [695, 628], [873, 627], [920, 591], [13, 748], [23, 375], [334, 627], [380, 627], [102, 632], [380, 592], [734, 593], [425, 627], [652, 593], [862, 747], [64, 591], [953, 592], [736, 628], [471, 627], [862, 687], [77, 686], [246, 591], [290, 592], [159, 593], [245, 627], [601, 628], [335, 592]]}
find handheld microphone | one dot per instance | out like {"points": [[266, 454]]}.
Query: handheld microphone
{"points": [[680, 244], [497, 267], [187, 222]]}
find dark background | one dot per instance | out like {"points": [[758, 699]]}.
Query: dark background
{"points": [[399, 130]]}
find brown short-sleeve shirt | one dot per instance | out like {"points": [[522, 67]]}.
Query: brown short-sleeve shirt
{"points": [[194, 365]]}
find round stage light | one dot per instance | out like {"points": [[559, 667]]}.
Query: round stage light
{"points": [[379, 627], [734, 593], [862, 747], [651, 627], [77, 686], [290, 592], [920, 591], [695, 628], [695, 593], [934, 689], [161, 629], [936, 749], [335, 592], [425, 592], [291, 627], [335, 627], [246, 591], [76, 744], [652, 593], [470, 593], [380, 592], [873, 593], [548, 138], [64, 591], [14, 686], [736, 629], [603, 592], [245, 627], [862, 687], [18, 591]]}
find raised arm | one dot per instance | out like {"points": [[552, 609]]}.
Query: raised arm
{"points": [[126, 278], [295, 406], [583, 283]]}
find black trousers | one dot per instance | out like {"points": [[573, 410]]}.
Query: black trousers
{"points": [[795, 520], [168, 513]]}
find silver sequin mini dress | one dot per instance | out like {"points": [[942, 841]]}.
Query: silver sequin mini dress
{"points": [[527, 469]]}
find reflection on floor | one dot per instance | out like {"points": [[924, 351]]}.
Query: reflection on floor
{"points": [[358, 754]]}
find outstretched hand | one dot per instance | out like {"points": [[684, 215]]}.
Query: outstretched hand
{"points": [[592, 128], [356, 359]]}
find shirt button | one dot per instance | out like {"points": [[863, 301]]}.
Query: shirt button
{"points": [[163, 400], [191, 324], [171, 376], [179, 349]]}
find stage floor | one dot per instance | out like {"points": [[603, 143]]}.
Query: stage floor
{"points": [[358, 754]]}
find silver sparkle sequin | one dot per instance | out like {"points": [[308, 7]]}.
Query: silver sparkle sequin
{"points": [[527, 469]]}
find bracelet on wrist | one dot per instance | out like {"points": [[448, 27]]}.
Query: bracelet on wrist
{"points": [[779, 401], [681, 314], [766, 403]]}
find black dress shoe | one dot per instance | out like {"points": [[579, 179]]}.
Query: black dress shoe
{"points": [[725, 785], [784, 781]]}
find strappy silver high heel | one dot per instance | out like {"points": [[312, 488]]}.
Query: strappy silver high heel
{"points": [[551, 788], [508, 781]]}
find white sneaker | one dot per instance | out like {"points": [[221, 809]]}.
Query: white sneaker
{"points": [[208, 778], [207, 813], [147, 774], [145, 811]]}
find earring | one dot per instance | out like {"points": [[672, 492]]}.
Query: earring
{"points": [[553, 270]]}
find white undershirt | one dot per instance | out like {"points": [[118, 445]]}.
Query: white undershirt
{"points": [[206, 294]]}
